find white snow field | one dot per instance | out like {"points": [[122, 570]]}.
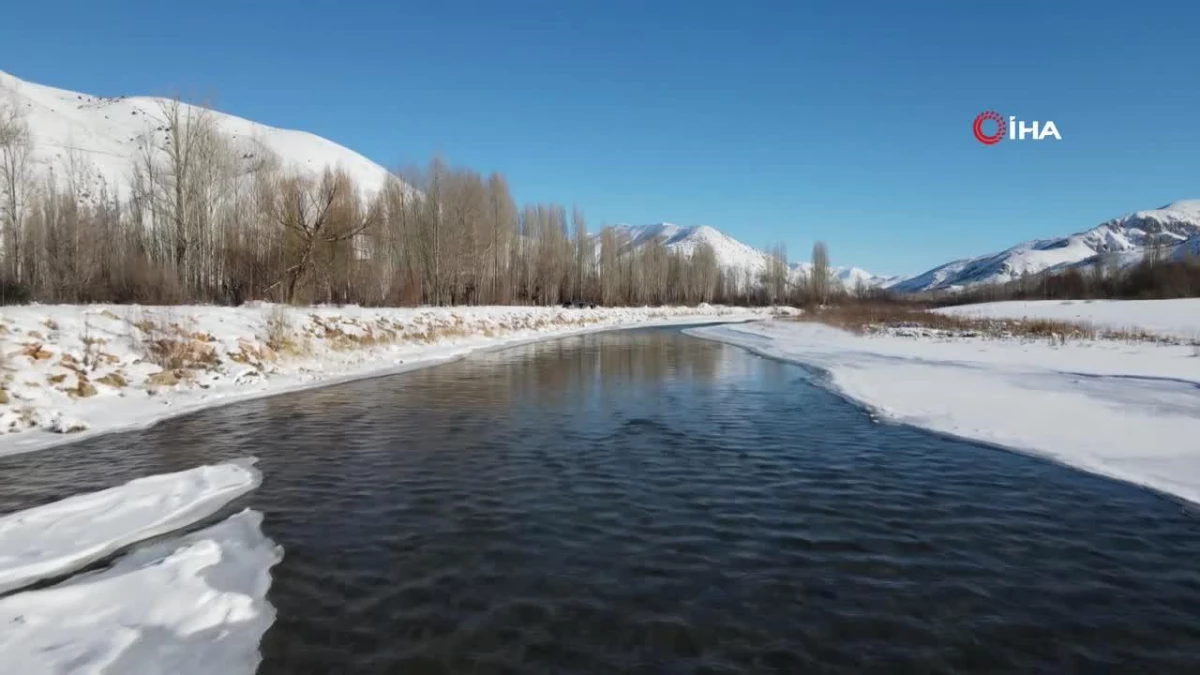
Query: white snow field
{"points": [[100, 138], [1173, 318], [70, 371], [1126, 410], [55, 539], [191, 605]]}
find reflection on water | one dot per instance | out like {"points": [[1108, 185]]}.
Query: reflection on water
{"points": [[648, 502]]}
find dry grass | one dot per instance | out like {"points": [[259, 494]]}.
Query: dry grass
{"points": [[91, 346], [278, 334], [114, 379], [82, 389], [872, 318], [35, 351], [168, 345]]}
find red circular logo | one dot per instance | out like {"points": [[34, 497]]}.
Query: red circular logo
{"points": [[1001, 127]]}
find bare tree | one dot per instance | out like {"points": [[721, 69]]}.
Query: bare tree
{"points": [[583, 253], [503, 218], [707, 273], [820, 273], [207, 217], [16, 148], [185, 173], [775, 277], [315, 214]]}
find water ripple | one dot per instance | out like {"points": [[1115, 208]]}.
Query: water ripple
{"points": [[645, 502]]}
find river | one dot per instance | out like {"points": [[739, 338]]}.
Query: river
{"points": [[643, 501]]}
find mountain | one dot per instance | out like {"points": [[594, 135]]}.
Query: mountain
{"points": [[1174, 228], [733, 257], [100, 139]]}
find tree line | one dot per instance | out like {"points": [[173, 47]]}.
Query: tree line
{"points": [[204, 220]]}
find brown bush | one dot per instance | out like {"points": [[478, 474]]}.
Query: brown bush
{"points": [[877, 317]]}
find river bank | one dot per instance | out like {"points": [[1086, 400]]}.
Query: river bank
{"points": [[72, 371], [1125, 409]]}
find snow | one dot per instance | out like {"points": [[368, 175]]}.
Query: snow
{"points": [[108, 134], [1173, 318], [71, 371], [192, 605], [733, 256], [100, 139], [745, 262], [1130, 411], [52, 540], [1176, 225]]}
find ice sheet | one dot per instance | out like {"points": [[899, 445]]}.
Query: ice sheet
{"points": [[192, 605], [58, 538]]}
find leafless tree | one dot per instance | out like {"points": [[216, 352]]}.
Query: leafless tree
{"points": [[316, 214], [16, 148], [205, 217], [820, 273], [775, 277], [583, 254]]}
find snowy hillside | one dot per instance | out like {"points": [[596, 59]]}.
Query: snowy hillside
{"points": [[1175, 228], [743, 261], [103, 137]]}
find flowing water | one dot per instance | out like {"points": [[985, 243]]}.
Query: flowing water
{"points": [[648, 502]]}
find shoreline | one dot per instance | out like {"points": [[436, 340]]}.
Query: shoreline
{"points": [[1003, 405], [112, 415]]}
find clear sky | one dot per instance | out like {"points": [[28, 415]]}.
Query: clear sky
{"points": [[773, 121]]}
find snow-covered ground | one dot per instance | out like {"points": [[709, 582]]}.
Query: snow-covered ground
{"points": [[55, 539], [194, 604], [1174, 318], [1122, 409], [101, 138], [70, 371]]}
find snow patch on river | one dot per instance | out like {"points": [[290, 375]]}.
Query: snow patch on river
{"points": [[1128, 410], [54, 539], [192, 605]]}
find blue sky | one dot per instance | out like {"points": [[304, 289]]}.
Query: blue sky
{"points": [[773, 121]]}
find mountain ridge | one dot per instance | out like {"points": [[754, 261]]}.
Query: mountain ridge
{"points": [[109, 135], [733, 256], [1174, 227]]}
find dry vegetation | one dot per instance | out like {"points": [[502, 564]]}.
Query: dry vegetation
{"points": [[905, 319], [203, 221]]}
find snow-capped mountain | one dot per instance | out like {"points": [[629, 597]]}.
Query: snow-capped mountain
{"points": [[100, 138], [744, 262], [1174, 228]]}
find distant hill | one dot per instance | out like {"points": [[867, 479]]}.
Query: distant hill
{"points": [[1174, 228]]}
